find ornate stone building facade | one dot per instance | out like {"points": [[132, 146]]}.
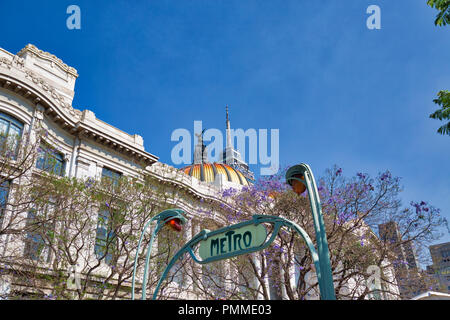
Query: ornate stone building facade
{"points": [[36, 92]]}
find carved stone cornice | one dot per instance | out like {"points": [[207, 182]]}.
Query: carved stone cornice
{"points": [[5, 62], [18, 62], [53, 93], [36, 89], [48, 56], [8, 63]]}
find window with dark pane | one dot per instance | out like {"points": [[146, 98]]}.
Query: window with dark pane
{"points": [[39, 233], [111, 176], [105, 241], [50, 160], [10, 134], [4, 191]]}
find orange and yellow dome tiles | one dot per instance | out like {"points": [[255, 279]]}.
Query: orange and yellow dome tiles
{"points": [[208, 171]]}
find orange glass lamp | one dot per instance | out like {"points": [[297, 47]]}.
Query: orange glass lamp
{"points": [[298, 186], [296, 179], [175, 224], [174, 219]]}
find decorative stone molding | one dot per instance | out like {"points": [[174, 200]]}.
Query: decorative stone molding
{"points": [[48, 56], [52, 91], [59, 108], [39, 115], [138, 139], [8, 63], [87, 115], [18, 61], [5, 62], [66, 157]]}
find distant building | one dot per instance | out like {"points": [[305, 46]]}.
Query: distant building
{"points": [[440, 254], [390, 232], [405, 264]]}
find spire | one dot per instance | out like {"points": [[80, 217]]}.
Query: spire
{"points": [[228, 120], [231, 156], [229, 145]]}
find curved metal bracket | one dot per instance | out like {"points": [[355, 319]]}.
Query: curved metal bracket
{"points": [[161, 218], [257, 219]]}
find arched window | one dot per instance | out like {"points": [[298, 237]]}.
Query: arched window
{"points": [[10, 134]]}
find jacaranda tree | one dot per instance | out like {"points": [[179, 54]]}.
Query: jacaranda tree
{"points": [[353, 209]]}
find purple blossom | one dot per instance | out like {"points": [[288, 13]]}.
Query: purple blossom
{"points": [[89, 182], [400, 262], [422, 207], [228, 192], [362, 176], [385, 176], [344, 217]]}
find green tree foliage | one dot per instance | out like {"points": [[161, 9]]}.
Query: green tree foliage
{"points": [[443, 101], [443, 17]]}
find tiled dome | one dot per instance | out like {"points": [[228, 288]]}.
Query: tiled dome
{"points": [[208, 171]]}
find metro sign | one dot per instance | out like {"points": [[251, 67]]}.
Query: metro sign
{"points": [[242, 238], [232, 241]]}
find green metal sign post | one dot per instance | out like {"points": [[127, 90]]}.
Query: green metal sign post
{"points": [[301, 178], [242, 238]]}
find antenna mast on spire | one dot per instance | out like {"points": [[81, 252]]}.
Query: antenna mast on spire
{"points": [[228, 131], [231, 156]]}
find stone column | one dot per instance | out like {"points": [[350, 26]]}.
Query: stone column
{"points": [[73, 157], [38, 116]]}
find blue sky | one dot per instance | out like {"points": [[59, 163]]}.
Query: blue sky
{"points": [[338, 92]]}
